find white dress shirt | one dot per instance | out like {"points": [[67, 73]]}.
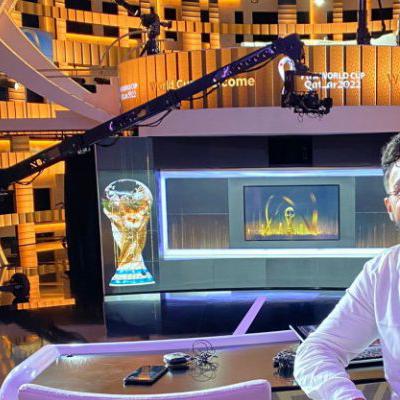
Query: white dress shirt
{"points": [[370, 309]]}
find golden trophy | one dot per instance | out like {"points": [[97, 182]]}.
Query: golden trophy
{"points": [[127, 204]]}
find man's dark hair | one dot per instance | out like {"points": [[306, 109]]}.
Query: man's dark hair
{"points": [[390, 154]]}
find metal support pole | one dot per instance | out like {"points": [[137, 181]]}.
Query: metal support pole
{"points": [[363, 35]]}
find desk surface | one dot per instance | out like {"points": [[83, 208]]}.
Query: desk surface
{"points": [[104, 373]]}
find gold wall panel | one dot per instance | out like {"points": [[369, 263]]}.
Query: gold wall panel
{"points": [[196, 71], [183, 73], [160, 76], [86, 54], [142, 71], [263, 86], [78, 53], [317, 62], [383, 87], [353, 63], [247, 29], [394, 76], [265, 30], [256, 29], [13, 109], [88, 17], [336, 64], [211, 65], [353, 75], [151, 77], [141, 89], [225, 93], [368, 64]]}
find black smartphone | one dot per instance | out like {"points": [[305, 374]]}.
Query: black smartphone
{"points": [[145, 375]]}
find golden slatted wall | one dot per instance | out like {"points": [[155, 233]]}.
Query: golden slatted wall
{"points": [[83, 54], [191, 26], [19, 109], [287, 12], [191, 16], [338, 16], [215, 41], [396, 8], [380, 85]]}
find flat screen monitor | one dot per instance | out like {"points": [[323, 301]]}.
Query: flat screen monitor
{"points": [[291, 212]]}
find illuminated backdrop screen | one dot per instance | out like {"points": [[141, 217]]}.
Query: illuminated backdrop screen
{"points": [[165, 229], [300, 212]]}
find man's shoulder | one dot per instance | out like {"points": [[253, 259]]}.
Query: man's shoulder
{"points": [[385, 261]]}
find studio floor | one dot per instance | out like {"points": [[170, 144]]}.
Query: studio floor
{"points": [[157, 316]]}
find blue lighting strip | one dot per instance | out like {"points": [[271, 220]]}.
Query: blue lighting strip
{"points": [[163, 222], [185, 254], [190, 254], [271, 173]]}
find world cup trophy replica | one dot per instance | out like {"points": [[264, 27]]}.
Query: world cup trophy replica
{"points": [[127, 204]]}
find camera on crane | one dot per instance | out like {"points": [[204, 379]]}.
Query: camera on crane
{"points": [[303, 101], [153, 25], [148, 20]]}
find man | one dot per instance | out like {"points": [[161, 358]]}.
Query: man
{"points": [[151, 22], [370, 309]]}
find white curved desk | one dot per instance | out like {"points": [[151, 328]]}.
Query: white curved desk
{"points": [[100, 367]]}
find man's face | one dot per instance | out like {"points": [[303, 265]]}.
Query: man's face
{"points": [[392, 201]]}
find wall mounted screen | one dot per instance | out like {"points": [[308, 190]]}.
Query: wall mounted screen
{"points": [[295, 212]]}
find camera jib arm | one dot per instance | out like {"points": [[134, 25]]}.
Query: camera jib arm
{"points": [[290, 46]]}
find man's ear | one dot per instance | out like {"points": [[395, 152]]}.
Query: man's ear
{"points": [[389, 207]]}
